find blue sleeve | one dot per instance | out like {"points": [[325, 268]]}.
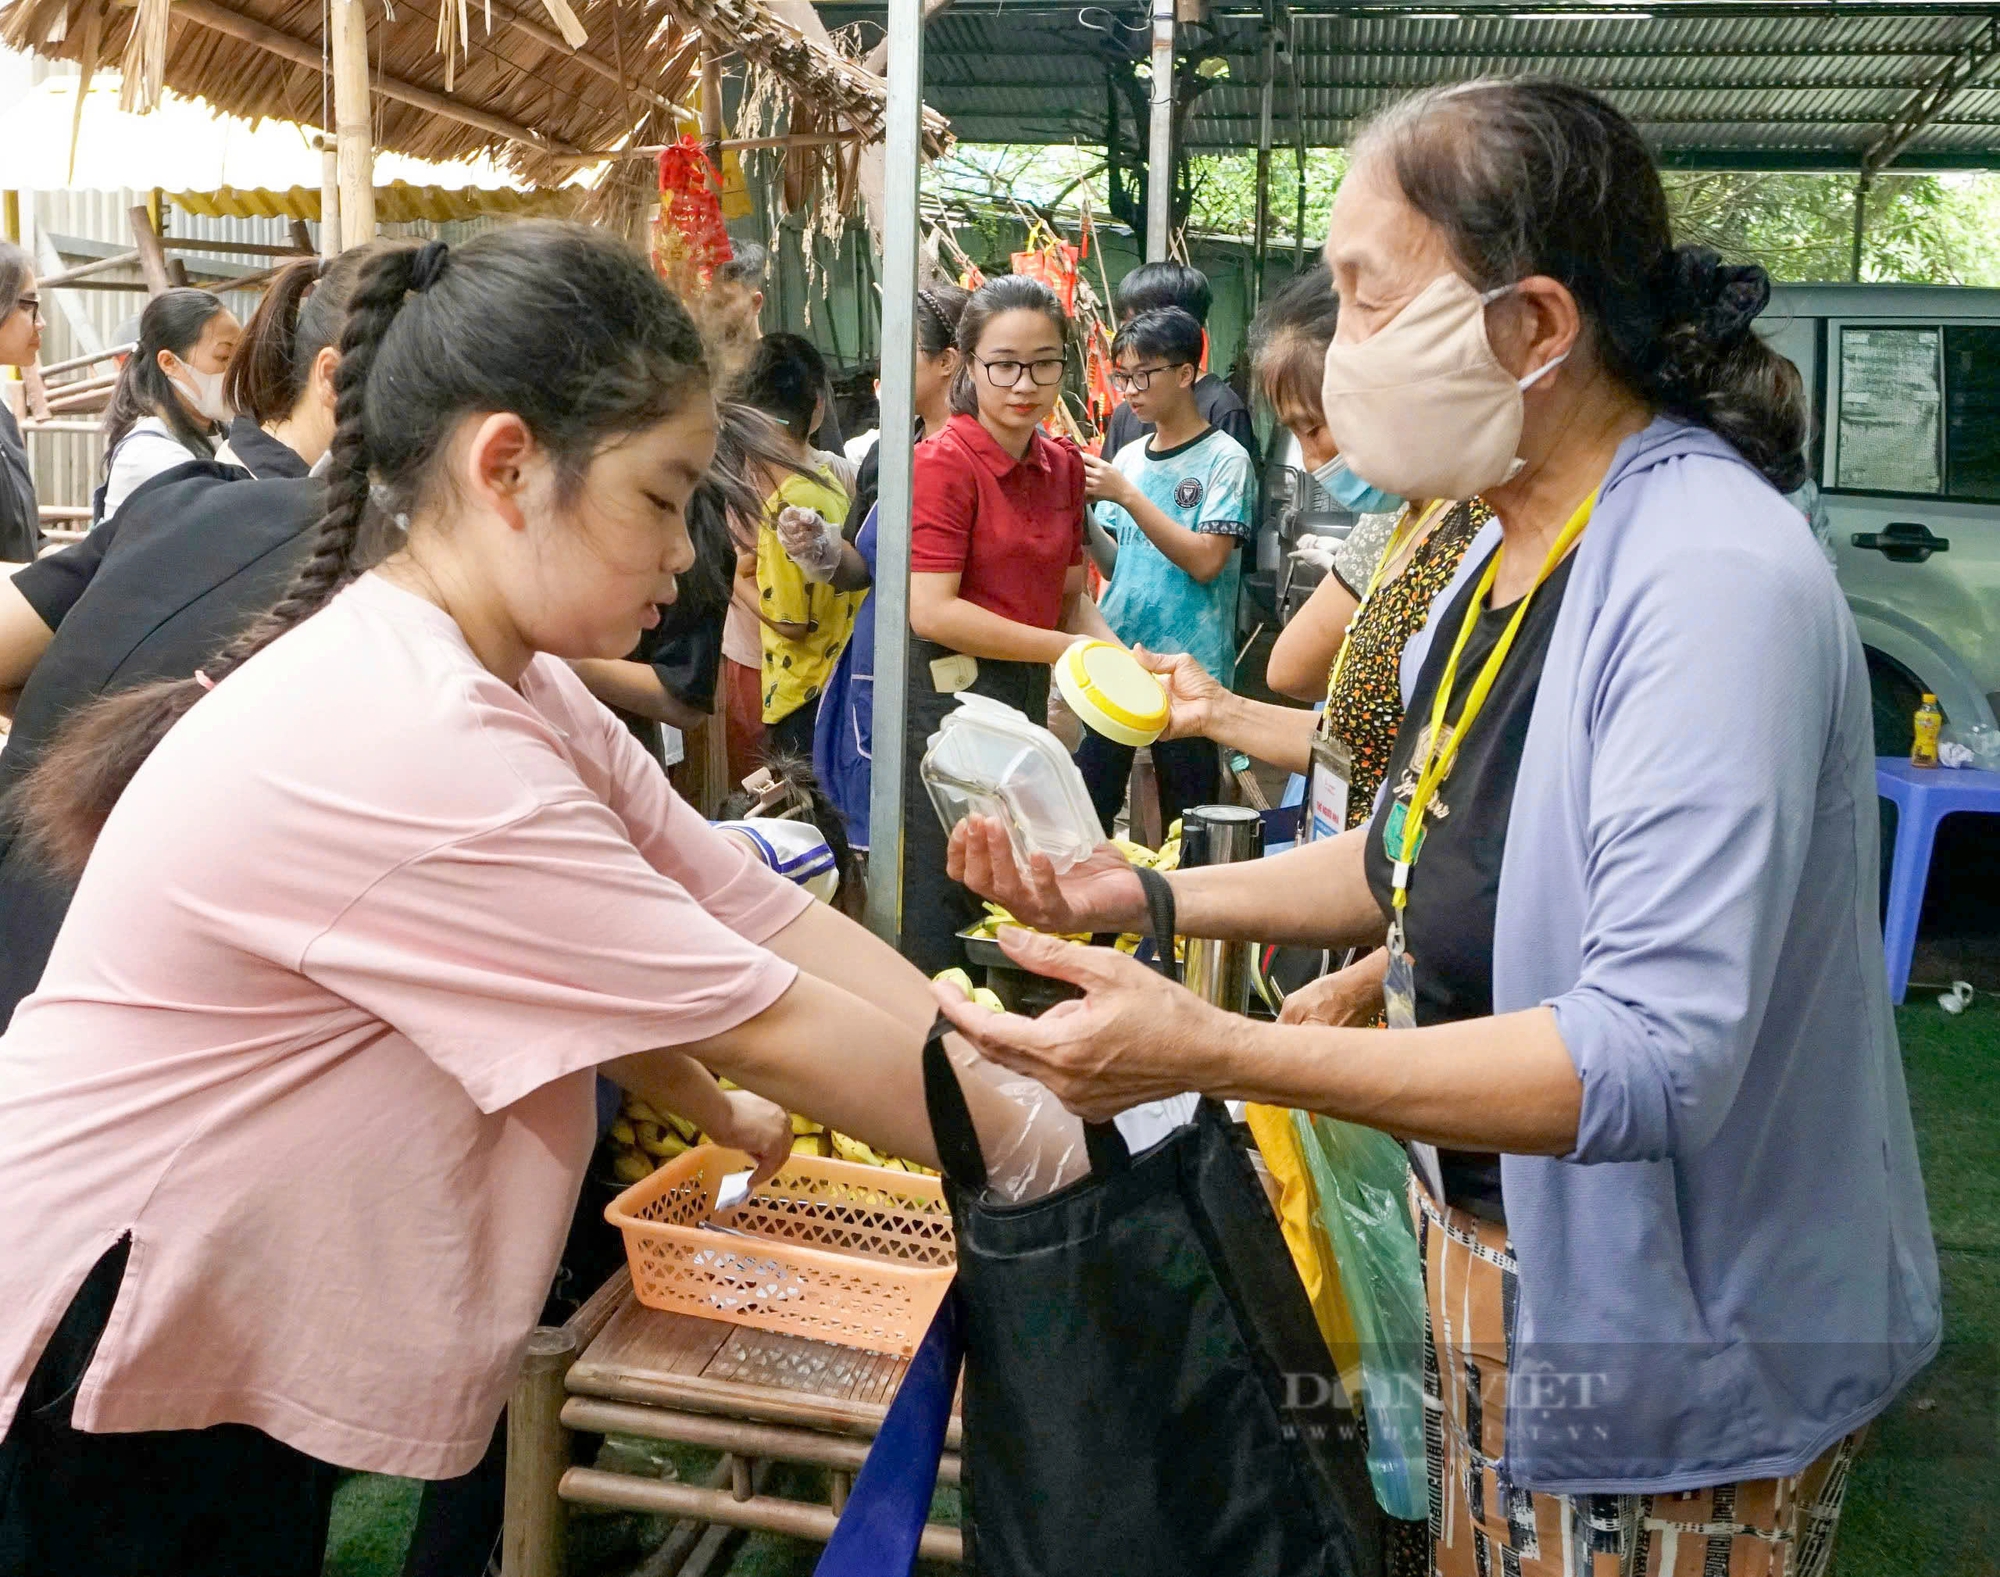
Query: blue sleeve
{"points": [[1708, 733], [1225, 506]]}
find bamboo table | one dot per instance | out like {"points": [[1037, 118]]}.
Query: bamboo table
{"points": [[618, 1367]]}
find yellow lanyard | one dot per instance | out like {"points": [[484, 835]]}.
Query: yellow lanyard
{"points": [[1438, 760], [1407, 530]]}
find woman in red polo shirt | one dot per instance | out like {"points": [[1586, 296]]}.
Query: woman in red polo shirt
{"points": [[996, 566]]}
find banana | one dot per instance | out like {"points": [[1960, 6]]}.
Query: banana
{"points": [[805, 1125], [811, 1144], [630, 1168], [621, 1130], [665, 1145], [639, 1111], [958, 979], [854, 1150], [988, 999], [687, 1130]]}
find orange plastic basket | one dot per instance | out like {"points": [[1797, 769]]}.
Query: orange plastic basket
{"points": [[859, 1255]]}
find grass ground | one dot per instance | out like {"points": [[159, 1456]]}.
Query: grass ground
{"points": [[1925, 1500]]}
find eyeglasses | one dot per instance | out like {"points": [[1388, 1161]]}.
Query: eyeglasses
{"points": [[1140, 378], [32, 305], [1005, 374]]}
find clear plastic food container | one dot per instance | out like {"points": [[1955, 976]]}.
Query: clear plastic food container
{"points": [[988, 759]]}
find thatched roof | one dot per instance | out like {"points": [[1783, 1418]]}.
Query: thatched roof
{"points": [[517, 91]]}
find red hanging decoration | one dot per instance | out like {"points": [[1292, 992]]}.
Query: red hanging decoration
{"points": [[1051, 260], [689, 239]]}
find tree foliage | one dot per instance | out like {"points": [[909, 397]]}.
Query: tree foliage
{"points": [[1932, 229]]}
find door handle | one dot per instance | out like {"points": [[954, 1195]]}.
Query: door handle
{"points": [[1902, 542]]}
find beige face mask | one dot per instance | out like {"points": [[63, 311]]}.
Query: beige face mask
{"points": [[1422, 407]]}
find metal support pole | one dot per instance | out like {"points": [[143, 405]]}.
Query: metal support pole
{"points": [[354, 122], [1861, 184], [903, 176], [1261, 235], [1160, 152]]}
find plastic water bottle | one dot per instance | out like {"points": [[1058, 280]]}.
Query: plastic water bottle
{"points": [[1924, 751]]}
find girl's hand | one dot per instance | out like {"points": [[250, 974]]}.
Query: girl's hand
{"points": [[1349, 996], [1193, 695], [808, 542], [1134, 1037], [1101, 894], [759, 1128]]}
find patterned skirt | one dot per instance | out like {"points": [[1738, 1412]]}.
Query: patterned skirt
{"points": [[1483, 1526]]}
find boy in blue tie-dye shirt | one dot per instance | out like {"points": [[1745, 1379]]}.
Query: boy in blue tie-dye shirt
{"points": [[1176, 504]]}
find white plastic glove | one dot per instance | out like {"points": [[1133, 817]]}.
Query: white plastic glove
{"points": [[809, 542], [1316, 550]]}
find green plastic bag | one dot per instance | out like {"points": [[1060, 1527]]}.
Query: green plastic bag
{"points": [[1362, 1179]]}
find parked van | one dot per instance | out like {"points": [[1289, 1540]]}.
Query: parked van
{"points": [[1904, 385]]}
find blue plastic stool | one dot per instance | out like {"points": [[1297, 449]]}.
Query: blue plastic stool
{"points": [[1923, 797]]}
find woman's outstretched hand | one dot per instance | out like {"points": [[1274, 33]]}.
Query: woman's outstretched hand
{"points": [[1193, 694], [1346, 997], [1101, 894], [1134, 1037]]}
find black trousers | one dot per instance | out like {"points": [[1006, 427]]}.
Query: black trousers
{"points": [[1189, 772], [458, 1519], [936, 908], [792, 734], [228, 1501]]}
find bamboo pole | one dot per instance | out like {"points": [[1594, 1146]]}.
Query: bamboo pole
{"points": [[628, 1492], [711, 107], [589, 1416], [102, 265], [152, 256], [50, 369], [354, 124], [329, 197], [537, 1453]]}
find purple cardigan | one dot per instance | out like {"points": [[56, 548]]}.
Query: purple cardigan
{"points": [[1734, 1268]]}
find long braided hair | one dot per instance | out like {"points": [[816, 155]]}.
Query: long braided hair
{"points": [[561, 325]]}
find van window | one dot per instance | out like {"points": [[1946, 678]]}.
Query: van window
{"points": [[1972, 419], [1891, 410]]}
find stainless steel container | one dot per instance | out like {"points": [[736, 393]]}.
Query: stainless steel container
{"points": [[1219, 972]]}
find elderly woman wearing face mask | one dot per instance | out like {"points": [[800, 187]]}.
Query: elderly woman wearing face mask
{"points": [[1664, 1172]]}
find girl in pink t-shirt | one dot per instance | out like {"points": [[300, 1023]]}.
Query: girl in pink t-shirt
{"points": [[292, 1128]]}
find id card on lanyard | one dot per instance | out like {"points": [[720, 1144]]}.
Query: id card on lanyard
{"points": [[1403, 827], [1327, 780], [1330, 773]]}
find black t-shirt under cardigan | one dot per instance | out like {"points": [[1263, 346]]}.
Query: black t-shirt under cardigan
{"points": [[189, 560], [1454, 886]]}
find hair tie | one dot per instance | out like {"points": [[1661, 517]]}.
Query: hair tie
{"points": [[201, 678], [428, 266], [1720, 299]]}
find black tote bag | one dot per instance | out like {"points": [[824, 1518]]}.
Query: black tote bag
{"points": [[1147, 1393]]}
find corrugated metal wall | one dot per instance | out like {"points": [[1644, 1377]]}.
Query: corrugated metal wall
{"points": [[66, 465]]}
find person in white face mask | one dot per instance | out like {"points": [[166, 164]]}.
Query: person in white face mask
{"points": [[1346, 644], [168, 406], [1621, 881]]}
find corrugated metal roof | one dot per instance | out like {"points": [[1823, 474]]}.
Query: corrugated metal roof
{"points": [[1780, 83]]}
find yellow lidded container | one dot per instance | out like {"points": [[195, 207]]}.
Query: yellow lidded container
{"points": [[1105, 686]]}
